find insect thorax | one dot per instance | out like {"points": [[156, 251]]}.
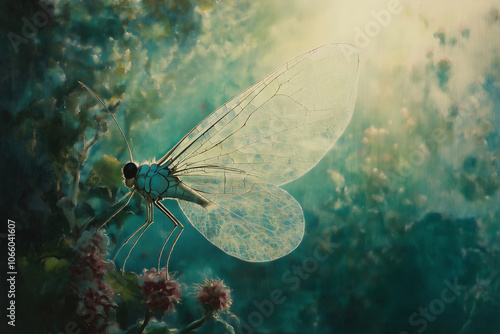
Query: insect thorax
{"points": [[157, 183], [154, 182]]}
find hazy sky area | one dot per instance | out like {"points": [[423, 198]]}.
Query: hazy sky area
{"points": [[397, 40]]}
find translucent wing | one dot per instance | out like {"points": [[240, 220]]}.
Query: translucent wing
{"points": [[257, 226], [276, 130], [270, 134]]}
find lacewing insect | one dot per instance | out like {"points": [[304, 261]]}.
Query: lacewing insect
{"points": [[226, 172]]}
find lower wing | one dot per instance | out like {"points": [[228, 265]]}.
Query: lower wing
{"points": [[257, 226]]}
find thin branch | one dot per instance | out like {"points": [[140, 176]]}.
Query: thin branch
{"points": [[197, 323]]}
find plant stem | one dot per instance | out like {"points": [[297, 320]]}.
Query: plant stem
{"points": [[147, 317], [196, 324], [83, 157]]}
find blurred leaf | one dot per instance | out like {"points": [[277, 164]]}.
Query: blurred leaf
{"points": [[56, 276], [107, 172], [61, 248], [124, 283], [55, 266]]}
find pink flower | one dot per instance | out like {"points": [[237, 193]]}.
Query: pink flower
{"points": [[214, 295], [91, 255], [92, 242], [96, 297], [158, 292]]}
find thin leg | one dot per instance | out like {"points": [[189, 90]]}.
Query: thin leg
{"points": [[122, 198], [176, 223], [163, 246], [143, 227], [167, 213], [130, 194], [128, 239], [149, 220]]}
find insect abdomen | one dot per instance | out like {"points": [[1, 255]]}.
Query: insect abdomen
{"points": [[188, 194]]}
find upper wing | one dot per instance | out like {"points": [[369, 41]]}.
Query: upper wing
{"points": [[276, 130]]}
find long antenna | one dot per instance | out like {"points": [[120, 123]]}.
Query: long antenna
{"points": [[114, 119]]}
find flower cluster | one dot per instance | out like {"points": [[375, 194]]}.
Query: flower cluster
{"points": [[214, 295], [96, 297], [159, 293], [91, 255]]}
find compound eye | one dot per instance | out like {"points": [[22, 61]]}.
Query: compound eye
{"points": [[130, 170]]}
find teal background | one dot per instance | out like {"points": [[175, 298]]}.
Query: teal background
{"points": [[405, 205]]}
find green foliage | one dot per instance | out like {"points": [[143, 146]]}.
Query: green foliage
{"points": [[107, 173], [443, 72], [50, 127], [124, 283]]}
